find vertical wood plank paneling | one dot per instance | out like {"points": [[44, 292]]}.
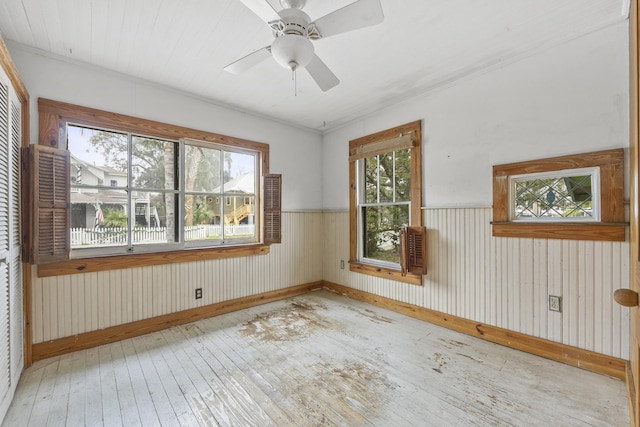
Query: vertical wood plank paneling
{"points": [[68, 305], [505, 282], [500, 281]]}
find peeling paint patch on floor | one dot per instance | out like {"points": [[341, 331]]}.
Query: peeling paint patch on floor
{"points": [[296, 321]]}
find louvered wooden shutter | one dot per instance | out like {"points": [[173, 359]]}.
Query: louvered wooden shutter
{"points": [[272, 208], [47, 174], [15, 241], [413, 250], [5, 257]]}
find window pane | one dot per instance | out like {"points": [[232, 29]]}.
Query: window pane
{"points": [[239, 173], [97, 157], [98, 217], [148, 160], [403, 175], [203, 169], [154, 220], [386, 177], [382, 231], [554, 197], [371, 180], [204, 216]]}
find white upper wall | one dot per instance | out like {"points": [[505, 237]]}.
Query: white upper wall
{"points": [[89, 86], [572, 98]]}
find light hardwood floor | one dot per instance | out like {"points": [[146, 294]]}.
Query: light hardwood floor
{"points": [[317, 359]]}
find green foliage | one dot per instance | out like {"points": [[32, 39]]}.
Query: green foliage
{"points": [[114, 218], [388, 181]]}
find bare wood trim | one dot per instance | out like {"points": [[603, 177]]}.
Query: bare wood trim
{"points": [[48, 130], [12, 72], [573, 161], [353, 213], [573, 356], [568, 231], [386, 273], [93, 117], [631, 393], [385, 134], [414, 128], [634, 165], [611, 164], [141, 327], [91, 265]]}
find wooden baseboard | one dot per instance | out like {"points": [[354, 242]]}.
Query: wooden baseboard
{"points": [[573, 356], [129, 330]]}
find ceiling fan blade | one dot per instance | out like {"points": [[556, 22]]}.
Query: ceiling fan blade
{"points": [[249, 61], [322, 75], [263, 9], [362, 13]]}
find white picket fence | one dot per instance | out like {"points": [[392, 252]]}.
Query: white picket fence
{"points": [[83, 237]]}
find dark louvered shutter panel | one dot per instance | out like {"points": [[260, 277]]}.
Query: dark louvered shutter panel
{"points": [[49, 188], [272, 208], [414, 250]]}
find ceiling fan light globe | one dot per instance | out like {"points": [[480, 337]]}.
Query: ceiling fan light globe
{"points": [[290, 48]]}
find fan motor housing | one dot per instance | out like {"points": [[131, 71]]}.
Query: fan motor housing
{"points": [[294, 21]]}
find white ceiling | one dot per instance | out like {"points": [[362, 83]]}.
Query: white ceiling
{"points": [[185, 44]]}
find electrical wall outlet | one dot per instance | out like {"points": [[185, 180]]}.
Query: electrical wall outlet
{"points": [[342, 264], [555, 303], [198, 293]]}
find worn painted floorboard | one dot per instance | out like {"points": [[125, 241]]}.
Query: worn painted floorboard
{"points": [[317, 359]]}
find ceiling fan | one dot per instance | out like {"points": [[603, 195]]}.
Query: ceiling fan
{"points": [[293, 31]]}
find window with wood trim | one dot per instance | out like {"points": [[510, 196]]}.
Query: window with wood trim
{"points": [[386, 233], [576, 197], [137, 186]]}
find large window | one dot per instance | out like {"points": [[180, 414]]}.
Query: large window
{"points": [[140, 187], [148, 204], [385, 170]]}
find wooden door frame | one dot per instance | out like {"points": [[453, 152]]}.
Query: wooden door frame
{"points": [[633, 370]]}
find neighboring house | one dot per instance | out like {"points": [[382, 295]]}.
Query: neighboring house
{"points": [[238, 207], [88, 201]]}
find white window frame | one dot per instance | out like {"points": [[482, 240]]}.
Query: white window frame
{"points": [[360, 168], [594, 172], [180, 244]]}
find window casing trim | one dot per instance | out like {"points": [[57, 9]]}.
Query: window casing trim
{"points": [[594, 172], [612, 225], [356, 263], [53, 117]]}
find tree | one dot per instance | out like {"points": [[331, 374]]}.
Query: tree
{"points": [[148, 159], [387, 182]]}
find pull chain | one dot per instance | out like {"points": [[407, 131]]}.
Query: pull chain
{"points": [[295, 81], [294, 66]]}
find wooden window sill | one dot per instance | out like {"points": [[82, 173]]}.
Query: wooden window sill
{"points": [[385, 273], [90, 265], [607, 232]]}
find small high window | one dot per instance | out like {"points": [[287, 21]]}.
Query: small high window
{"points": [[576, 197], [570, 195]]}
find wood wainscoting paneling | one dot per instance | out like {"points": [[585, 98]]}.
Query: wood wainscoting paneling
{"points": [[573, 356], [141, 327], [505, 282]]}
